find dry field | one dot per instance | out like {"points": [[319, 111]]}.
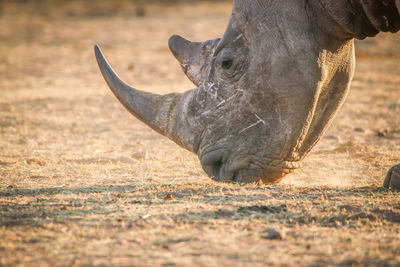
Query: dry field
{"points": [[82, 182]]}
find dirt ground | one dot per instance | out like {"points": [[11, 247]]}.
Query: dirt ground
{"points": [[82, 182]]}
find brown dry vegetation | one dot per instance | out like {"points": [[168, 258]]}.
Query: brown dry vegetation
{"points": [[82, 182]]}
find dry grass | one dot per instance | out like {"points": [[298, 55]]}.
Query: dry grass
{"points": [[84, 183]]}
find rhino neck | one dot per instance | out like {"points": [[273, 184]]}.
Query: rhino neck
{"points": [[359, 19], [336, 23], [333, 89]]}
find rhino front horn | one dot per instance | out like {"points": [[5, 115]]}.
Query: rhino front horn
{"points": [[160, 112]]}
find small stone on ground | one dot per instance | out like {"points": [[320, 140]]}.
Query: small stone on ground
{"points": [[271, 234]]}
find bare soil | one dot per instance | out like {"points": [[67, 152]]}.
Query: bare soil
{"points": [[82, 182]]}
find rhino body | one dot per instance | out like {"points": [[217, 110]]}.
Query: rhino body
{"points": [[267, 90]]}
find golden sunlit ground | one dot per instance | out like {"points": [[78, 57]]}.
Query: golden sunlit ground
{"points": [[82, 182]]}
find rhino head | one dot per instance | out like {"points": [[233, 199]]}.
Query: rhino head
{"points": [[267, 90]]}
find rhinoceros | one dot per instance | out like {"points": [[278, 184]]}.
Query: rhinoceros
{"points": [[267, 90]]}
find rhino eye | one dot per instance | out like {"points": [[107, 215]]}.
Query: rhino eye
{"points": [[226, 64]]}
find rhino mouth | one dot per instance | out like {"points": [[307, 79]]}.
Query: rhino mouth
{"points": [[222, 167]]}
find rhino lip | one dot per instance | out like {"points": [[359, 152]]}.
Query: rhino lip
{"points": [[271, 172], [221, 167]]}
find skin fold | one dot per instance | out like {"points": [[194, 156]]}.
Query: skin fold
{"points": [[267, 90]]}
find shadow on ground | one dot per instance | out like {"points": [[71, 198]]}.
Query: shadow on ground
{"points": [[63, 205]]}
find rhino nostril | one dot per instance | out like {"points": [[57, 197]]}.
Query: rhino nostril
{"points": [[212, 163], [236, 177], [217, 168], [221, 167]]}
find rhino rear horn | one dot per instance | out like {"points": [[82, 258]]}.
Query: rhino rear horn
{"points": [[194, 57]]}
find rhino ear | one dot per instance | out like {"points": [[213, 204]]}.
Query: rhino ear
{"points": [[383, 16], [398, 5], [194, 57]]}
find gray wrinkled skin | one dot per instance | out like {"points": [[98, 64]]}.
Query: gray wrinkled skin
{"points": [[267, 90]]}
